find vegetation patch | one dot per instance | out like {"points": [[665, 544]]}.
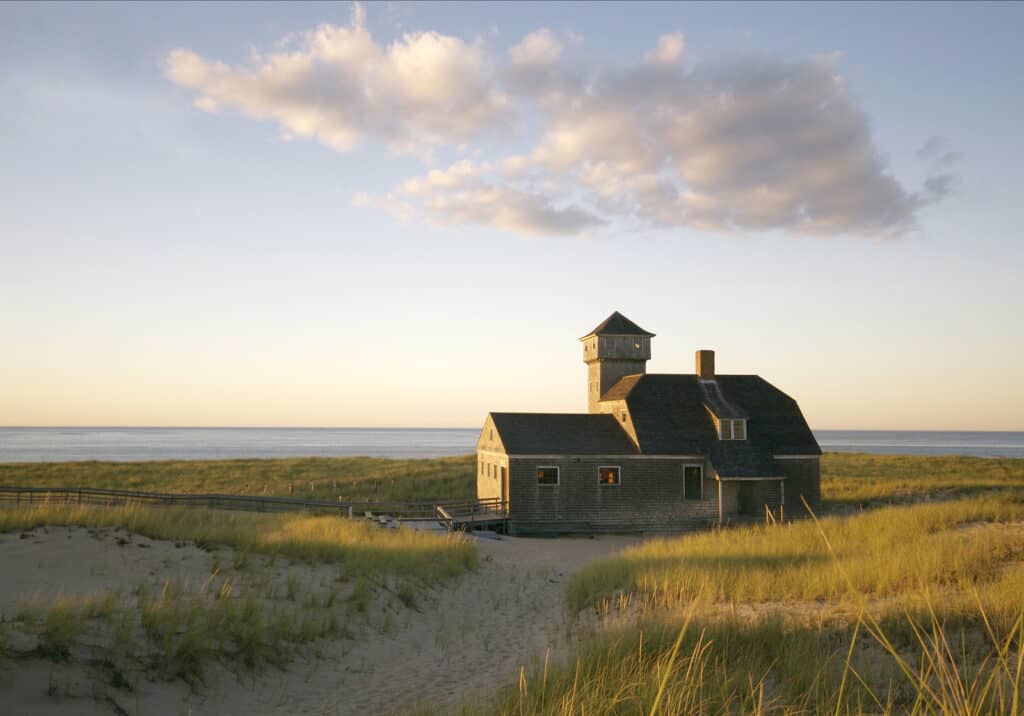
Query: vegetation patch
{"points": [[355, 479], [360, 546]]}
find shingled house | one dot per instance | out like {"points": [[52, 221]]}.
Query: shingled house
{"points": [[654, 451]]}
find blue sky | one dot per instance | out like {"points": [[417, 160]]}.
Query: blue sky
{"points": [[221, 215]]}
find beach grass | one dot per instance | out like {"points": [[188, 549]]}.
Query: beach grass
{"points": [[691, 666], [361, 547], [908, 609], [887, 552], [849, 480], [353, 479], [855, 480]]}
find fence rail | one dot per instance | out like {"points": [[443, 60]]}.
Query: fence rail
{"points": [[249, 503]]}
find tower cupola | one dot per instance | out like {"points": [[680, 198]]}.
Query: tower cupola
{"points": [[616, 348]]}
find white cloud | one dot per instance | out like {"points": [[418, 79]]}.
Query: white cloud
{"points": [[669, 50], [538, 49], [744, 145], [335, 84]]}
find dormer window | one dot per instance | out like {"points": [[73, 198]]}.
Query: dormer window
{"points": [[732, 429]]}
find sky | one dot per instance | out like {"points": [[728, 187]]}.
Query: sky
{"points": [[406, 214]]}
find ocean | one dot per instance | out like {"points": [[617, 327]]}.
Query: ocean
{"points": [[128, 444]]}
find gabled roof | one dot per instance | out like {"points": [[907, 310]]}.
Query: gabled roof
{"points": [[617, 325], [670, 418], [562, 434]]}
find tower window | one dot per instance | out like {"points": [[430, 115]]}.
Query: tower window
{"points": [[622, 416]]}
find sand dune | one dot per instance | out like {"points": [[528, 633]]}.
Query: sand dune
{"points": [[455, 642]]}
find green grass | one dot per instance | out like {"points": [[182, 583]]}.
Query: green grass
{"points": [[856, 480], [361, 547], [356, 479]]}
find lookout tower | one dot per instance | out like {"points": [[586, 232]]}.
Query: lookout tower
{"points": [[617, 347]]}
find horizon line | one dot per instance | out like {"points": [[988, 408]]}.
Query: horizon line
{"points": [[382, 427]]}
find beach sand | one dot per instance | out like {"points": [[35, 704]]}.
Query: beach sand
{"points": [[459, 640]]}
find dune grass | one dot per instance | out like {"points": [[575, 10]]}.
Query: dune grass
{"points": [[356, 478], [915, 609], [361, 547], [726, 667], [173, 633], [863, 480], [887, 552], [177, 629]]}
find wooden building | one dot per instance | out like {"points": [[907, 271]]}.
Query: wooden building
{"points": [[654, 452]]}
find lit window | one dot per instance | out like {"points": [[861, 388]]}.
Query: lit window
{"points": [[693, 483], [608, 475], [732, 429], [547, 475]]}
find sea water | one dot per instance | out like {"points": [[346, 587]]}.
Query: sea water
{"points": [[127, 444]]}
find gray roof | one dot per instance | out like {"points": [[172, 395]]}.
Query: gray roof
{"points": [[617, 325], [716, 402], [670, 416], [562, 434]]}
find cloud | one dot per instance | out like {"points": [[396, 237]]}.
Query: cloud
{"points": [[669, 50], [473, 194], [742, 145], [335, 84], [538, 49]]}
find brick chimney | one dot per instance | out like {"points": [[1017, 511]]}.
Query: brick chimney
{"points": [[706, 365]]}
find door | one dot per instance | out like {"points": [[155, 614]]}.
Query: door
{"points": [[747, 498]]}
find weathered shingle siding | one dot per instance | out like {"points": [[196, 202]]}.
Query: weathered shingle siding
{"points": [[803, 477], [649, 496]]}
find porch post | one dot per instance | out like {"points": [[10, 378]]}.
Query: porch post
{"points": [[719, 479]]}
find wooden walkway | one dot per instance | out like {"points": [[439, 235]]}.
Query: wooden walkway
{"points": [[488, 514]]}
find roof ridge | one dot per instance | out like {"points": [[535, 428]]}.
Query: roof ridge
{"points": [[617, 324]]}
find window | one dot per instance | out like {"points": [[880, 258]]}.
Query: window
{"points": [[547, 475], [732, 429], [622, 416], [739, 429], [693, 482], [608, 475]]}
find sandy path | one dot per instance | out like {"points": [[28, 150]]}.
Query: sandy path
{"points": [[460, 640]]}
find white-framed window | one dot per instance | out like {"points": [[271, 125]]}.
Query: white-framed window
{"points": [[735, 429], [547, 475], [609, 474], [693, 482]]}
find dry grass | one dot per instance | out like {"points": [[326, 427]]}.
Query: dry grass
{"points": [[887, 552], [361, 547]]}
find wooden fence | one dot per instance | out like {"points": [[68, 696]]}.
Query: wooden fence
{"points": [[18, 496]]}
